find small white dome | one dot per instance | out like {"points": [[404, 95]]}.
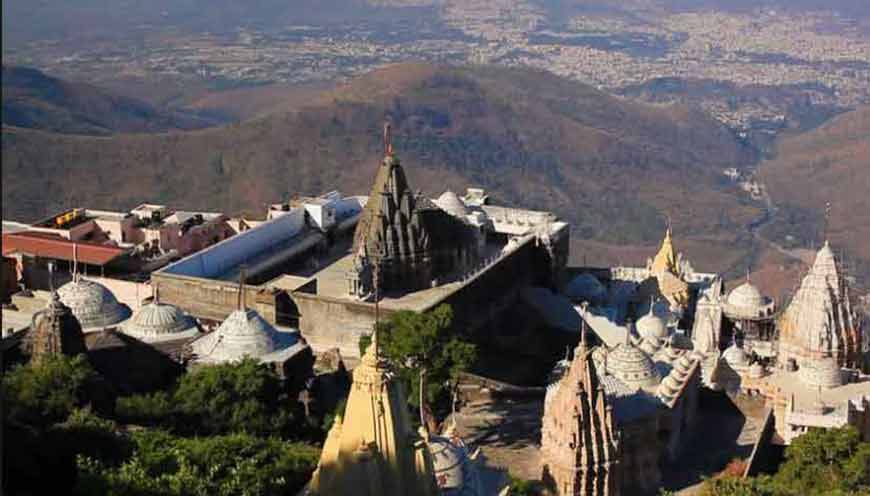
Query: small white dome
{"points": [[158, 321], [747, 301], [652, 326], [450, 203], [632, 366], [736, 356], [456, 473], [243, 334], [92, 304]]}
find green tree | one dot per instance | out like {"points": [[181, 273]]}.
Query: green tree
{"points": [[424, 344], [234, 397], [41, 395], [825, 461], [237, 464], [820, 462]]}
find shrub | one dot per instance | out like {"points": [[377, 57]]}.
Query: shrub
{"points": [[237, 464], [220, 399], [41, 395], [240, 397], [146, 409]]}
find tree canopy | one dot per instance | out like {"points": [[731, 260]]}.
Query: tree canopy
{"points": [[39, 396], [415, 343], [820, 462], [235, 397]]}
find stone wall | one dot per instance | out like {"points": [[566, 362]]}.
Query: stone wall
{"points": [[333, 323], [211, 299], [330, 322]]}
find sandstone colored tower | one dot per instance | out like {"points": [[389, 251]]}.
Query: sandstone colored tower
{"points": [[372, 450], [578, 437], [55, 330], [819, 322]]}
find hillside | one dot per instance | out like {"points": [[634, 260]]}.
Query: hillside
{"points": [[615, 169], [829, 164], [32, 99]]}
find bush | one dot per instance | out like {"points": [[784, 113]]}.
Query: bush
{"points": [[146, 409], [41, 395], [221, 465], [219, 399]]}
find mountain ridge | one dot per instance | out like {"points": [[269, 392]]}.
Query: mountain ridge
{"points": [[613, 168], [33, 99]]}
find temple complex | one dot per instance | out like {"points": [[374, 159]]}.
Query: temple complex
{"points": [[371, 449], [55, 330], [312, 263]]}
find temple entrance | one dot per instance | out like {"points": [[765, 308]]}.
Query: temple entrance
{"points": [[286, 311]]}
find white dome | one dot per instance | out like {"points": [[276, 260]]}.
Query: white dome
{"points": [[747, 301], [735, 356], [450, 203], [652, 326], [93, 304], [158, 321], [632, 366], [243, 334]]}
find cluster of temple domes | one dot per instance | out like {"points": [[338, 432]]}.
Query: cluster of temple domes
{"points": [[160, 322], [244, 333], [746, 301], [93, 304], [670, 387]]}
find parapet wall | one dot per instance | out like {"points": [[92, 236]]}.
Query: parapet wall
{"points": [[332, 322], [211, 299]]}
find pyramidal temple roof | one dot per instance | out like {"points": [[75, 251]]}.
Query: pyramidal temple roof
{"points": [[819, 319], [243, 334], [372, 449]]}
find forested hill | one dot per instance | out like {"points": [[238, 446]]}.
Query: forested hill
{"points": [[612, 167], [33, 99]]}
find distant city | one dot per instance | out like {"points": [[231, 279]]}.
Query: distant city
{"points": [[822, 54]]}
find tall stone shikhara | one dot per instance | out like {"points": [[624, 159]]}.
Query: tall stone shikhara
{"points": [[819, 322], [579, 442], [55, 330], [409, 240]]}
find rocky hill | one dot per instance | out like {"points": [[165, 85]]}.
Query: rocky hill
{"points": [[615, 169], [32, 99], [828, 164]]}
